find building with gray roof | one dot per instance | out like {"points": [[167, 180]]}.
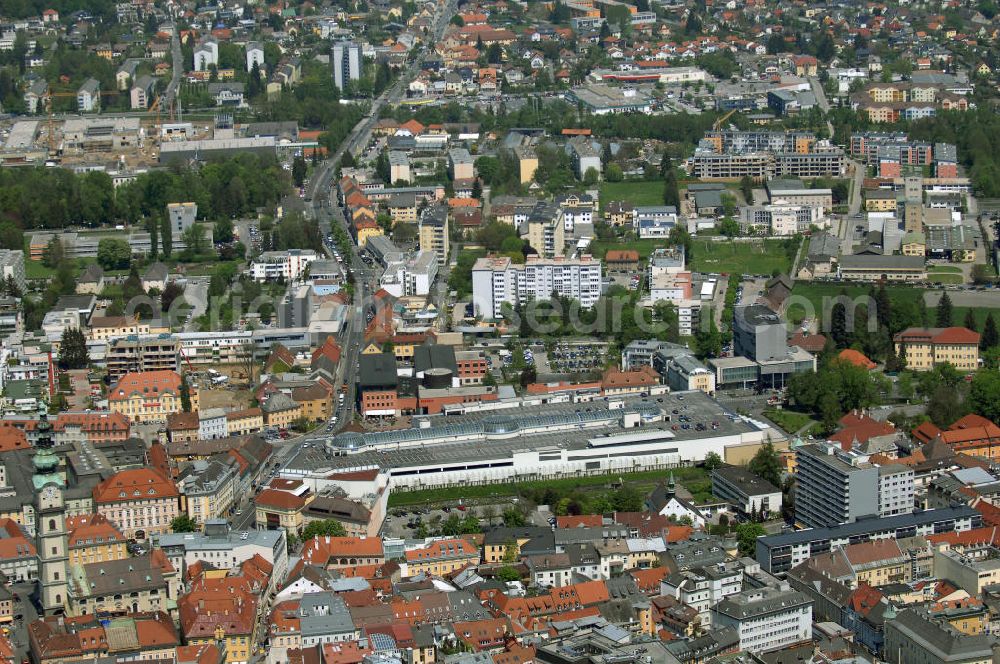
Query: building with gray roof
{"points": [[224, 547], [516, 439], [324, 618], [766, 618], [914, 637]]}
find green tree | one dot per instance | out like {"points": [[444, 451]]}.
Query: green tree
{"points": [[990, 337], [511, 551], [671, 193], [73, 349], [183, 524], [323, 527], [54, 253], [195, 239], [746, 188], [132, 287], [299, 170], [746, 536], [666, 165], [185, 390], [166, 237], [171, 292], [766, 465], [945, 310], [984, 394], [728, 204], [513, 517], [508, 573], [729, 227], [224, 232], [712, 461], [113, 254]]}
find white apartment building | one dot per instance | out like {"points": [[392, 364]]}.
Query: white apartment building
{"points": [[212, 424], [702, 588], [895, 490], [206, 54], [412, 276], [766, 618], [497, 280], [288, 265], [780, 218]]}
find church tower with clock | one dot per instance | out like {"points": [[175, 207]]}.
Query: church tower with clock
{"points": [[50, 523]]}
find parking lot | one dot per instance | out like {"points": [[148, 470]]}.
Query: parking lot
{"points": [[553, 358]]}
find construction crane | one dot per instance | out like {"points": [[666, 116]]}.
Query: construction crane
{"points": [[48, 107], [721, 121]]}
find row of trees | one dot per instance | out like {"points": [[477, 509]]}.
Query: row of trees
{"points": [[54, 198]]}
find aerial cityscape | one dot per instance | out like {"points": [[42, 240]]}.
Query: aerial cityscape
{"points": [[499, 332]]}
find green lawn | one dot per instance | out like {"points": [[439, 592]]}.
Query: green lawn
{"points": [[945, 278], [36, 270], [694, 479], [788, 420], [636, 193], [944, 268], [739, 257]]}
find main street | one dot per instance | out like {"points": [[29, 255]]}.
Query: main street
{"points": [[328, 211]]}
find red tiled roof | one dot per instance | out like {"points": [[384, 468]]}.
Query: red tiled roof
{"points": [[580, 521], [281, 500], [856, 358], [135, 484]]}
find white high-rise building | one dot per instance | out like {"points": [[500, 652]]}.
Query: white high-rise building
{"points": [[498, 280], [346, 63]]}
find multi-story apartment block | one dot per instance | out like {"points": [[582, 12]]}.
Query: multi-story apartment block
{"points": [[346, 63], [835, 487], [140, 354], [701, 588], [433, 230], [497, 281], [748, 494], [208, 487], [288, 265], [766, 618], [104, 328], [780, 218], [780, 553], [547, 230], [926, 348], [12, 267]]}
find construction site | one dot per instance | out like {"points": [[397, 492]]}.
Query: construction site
{"points": [[124, 144]]}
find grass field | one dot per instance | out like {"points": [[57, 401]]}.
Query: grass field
{"points": [[788, 420], [636, 193], [739, 257], [694, 479], [944, 268], [36, 270], [945, 278]]}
